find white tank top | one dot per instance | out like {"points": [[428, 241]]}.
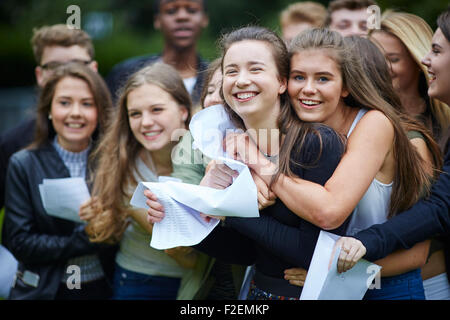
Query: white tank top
{"points": [[373, 208]]}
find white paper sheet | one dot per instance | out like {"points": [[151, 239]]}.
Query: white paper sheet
{"points": [[208, 128], [8, 269], [62, 198], [181, 226], [324, 283]]}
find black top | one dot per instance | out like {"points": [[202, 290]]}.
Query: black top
{"points": [[279, 239], [120, 73], [41, 243]]}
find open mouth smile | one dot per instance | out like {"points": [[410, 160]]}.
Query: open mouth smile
{"points": [[310, 104], [245, 96]]}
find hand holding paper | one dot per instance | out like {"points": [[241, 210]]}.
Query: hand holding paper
{"points": [[352, 251], [180, 223], [181, 226], [323, 282], [62, 198]]}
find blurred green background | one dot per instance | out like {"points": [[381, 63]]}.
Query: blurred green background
{"points": [[124, 28]]}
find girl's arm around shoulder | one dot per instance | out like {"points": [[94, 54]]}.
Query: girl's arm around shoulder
{"points": [[330, 205]]}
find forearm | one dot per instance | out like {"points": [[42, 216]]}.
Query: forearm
{"points": [[291, 244], [44, 248], [140, 216], [311, 202], [430, 216], [402, 260], [229, 246], [315, 193]]}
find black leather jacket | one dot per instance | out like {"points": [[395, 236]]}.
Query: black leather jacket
{"points": [[41, 243]]}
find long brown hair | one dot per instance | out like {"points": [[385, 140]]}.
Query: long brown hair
{"points": [[118, 151], [377, 71], [44, 128], [409, 177]]}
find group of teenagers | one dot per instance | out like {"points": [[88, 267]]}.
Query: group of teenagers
{"points": [[349, 155]]}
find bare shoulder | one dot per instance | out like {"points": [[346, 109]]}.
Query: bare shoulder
{"points": [[375, 123], [375, 117]]}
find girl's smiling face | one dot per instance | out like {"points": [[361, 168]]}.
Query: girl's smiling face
{"points": [[405, 72], [213, 94], [251, 84], [154, 115], [73, 113], [438, 63], [316, 86]]}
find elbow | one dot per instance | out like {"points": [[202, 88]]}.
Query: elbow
{"points": [[423, 259], [424, 253], [329, 218]]}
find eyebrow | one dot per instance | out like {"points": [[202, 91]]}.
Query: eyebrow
{"points": [[435, 45], [324, 73], [70, 98], [170, 1], [249, 63], [146, 106]]}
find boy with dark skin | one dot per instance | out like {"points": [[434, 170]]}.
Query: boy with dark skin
{"points": [[181, 23]]}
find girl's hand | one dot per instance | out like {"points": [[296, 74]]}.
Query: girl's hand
{"points": [[218, 175], [240, 147], [155, 213], [89, 209], [296, 276], [208, 218], [184, 256], [351, 251], [266, 197]]}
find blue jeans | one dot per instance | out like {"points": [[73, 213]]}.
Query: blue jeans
{"points": [[406, 286], [129, 285]]}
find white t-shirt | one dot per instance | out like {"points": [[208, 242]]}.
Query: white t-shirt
{"points": [[189, 83]]}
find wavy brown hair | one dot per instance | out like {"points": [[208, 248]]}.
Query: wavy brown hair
{"points": [[44, 129], [409, 177], [117, 153]]}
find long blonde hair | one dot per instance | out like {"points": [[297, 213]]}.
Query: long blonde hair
{"points": [[118, 150], [416, 35], [409, 177]]}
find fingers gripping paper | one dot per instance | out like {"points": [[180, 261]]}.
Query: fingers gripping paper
{"points": [[182, 225], [183, 202], [323, 282]]}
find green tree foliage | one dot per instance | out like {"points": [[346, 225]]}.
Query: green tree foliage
{"points": [[132, 29]]}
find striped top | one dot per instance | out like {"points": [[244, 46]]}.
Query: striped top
{"points": [[90, 266]]}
